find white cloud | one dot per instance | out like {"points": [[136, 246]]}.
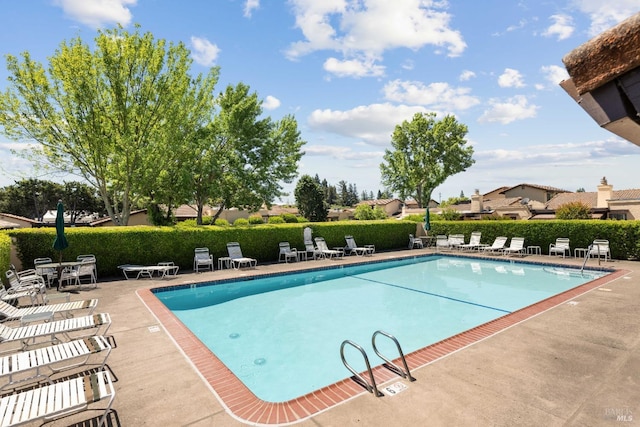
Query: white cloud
{"points": [[437, 95], [353, 68], [466, 75], [510, 78], [516, 108], [204, 52], [554, 74], [373, 124], [606, 14], [270, 103], [98, 13], [249, 6], [370, 27], [562, 27], [341, 153]]}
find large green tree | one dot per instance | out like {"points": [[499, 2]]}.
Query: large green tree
{"points": [[310, 199], [116, 115], [241, 158], [425, 153]]}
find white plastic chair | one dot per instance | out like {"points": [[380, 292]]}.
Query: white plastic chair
{"points": [[287, 253], [202, 259], [415, 242], [560, 247]]}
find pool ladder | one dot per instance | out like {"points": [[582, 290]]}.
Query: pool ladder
{"points": [[371, 386]]}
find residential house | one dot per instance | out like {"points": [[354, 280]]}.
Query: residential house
{"points": [[392, 207], [8, 221], [606, 203]]}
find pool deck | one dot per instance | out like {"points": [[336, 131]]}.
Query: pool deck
{"points": [[576, 363]]}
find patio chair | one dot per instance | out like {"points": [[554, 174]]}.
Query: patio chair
{"points": [[455, 240], [516, 247], [71, 328], [474, 242], [442, 242], [47, 273], [92, 257], [353, 248], [560, 247], [237, 259], [312, 251], [86, 268], [331, 253], [202, 259], [14, 297], [600, 248], [62, 398], [496, 247], [33, 365], [33, 283], [9, 312], [286, 253], [415, 242]]}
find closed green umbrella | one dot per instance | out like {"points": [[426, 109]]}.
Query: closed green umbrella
{"points": [[60, 243], [427, 220]]}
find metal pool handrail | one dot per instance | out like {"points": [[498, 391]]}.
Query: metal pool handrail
{"points": [[404, 373], [370, 387]]}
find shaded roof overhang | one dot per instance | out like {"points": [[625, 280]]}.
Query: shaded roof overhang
{"points": [[605, 78]]}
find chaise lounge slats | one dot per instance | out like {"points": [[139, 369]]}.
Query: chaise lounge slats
{"points": [[54, 400], [12, 313]]}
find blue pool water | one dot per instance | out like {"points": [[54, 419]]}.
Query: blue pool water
{"points": [[281, 335]]}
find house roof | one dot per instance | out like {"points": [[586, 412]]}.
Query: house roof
{"points": [[498, 190], [501, 203], [590, 198], [5, 225], [540, 187], [21, 218], [379, 202]]}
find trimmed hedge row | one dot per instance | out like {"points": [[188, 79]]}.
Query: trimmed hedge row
{"points": [[145, 245], [623, 236], [114, 246]]}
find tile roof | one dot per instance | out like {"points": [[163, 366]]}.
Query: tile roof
{"points": [[588, 198], [541, 187], [499, 203]]}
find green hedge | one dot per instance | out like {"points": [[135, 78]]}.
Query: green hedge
{"points": [[145, 245], [623, 236]]}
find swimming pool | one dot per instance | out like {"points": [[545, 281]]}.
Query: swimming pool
{"points": [[270, 330]]}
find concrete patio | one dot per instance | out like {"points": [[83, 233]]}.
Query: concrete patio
{"points": [[577, 364]]}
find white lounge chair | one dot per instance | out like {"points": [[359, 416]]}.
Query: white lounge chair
{"points": [[237, 259], [497, 246], [516, 247], [474, 242], [286, 253], [59, 399], [29, 282], [330, 253], [415, 242], [442, 242], [71, 328], [353, 248], [10, 312], [560, 247], [311, 249], [14, 297], [600, 248], [455, 240], [202, 259], [27, 366]]}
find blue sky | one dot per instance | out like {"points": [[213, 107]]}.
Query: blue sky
{"points": [[350, 71]]}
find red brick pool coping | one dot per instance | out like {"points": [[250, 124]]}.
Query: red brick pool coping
{"points": [[244, 405]]}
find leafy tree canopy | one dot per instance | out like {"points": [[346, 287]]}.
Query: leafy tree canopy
{"points": [[425, 153], [573, 210], [310, 199], [116, 115]]}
